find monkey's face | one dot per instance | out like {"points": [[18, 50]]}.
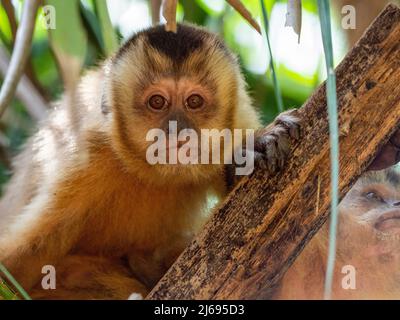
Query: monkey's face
{"points": [[368, 239], [375, 201], [370, 217], [173, 83]]}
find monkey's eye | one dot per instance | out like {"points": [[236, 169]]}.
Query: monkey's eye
{"points": [[371, 195], [195, 101], [157, 102]]}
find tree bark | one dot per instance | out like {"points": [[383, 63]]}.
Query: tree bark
{"points": [[259, 230]]}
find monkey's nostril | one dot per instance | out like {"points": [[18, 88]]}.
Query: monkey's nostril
{"points": [[396, 204]]}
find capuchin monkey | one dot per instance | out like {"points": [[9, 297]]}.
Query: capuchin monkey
{"points": [[85, 199], [368, 246]]}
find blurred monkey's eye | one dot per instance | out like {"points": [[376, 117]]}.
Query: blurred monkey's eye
{"points": [[195, 101], [157, 102], [371, 195]]}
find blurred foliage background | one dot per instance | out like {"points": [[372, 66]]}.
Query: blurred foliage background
{"points": [[83, 26]]}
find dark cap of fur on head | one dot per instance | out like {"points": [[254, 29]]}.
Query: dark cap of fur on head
{"points": [[177, 46]]}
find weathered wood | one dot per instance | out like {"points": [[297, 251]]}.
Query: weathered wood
{"points": [[257, 233]]}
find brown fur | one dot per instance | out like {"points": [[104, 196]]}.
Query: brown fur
{"points": [[84, 199]]}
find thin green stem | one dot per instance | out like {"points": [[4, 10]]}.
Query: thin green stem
{"points": [[324, 14], [277, 89]]}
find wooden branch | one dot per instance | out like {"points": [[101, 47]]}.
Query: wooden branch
{"points": [[169, 13], [155, 6], [20, 53], [256, 234], [29, 70], [26, 92], [242, 10]]}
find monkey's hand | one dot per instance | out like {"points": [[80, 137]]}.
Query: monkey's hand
{"points": [[272, 145]]}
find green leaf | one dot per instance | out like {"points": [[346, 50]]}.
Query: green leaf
{"points": [[69, 35], [109, 36], [5, 292], [14, 282], [93, 25], [5, 29], [68, 39]]}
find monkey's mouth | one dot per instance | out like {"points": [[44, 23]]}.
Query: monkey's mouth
{"points": [[388, 222]]}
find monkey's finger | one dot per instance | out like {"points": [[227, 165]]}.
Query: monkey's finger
{"points": [[275, 146], [283, 144], [268, 147], [260, 161], [271, 159], [291, 121]]}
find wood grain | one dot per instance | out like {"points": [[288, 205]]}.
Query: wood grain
{"points": [[259, 230]]}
